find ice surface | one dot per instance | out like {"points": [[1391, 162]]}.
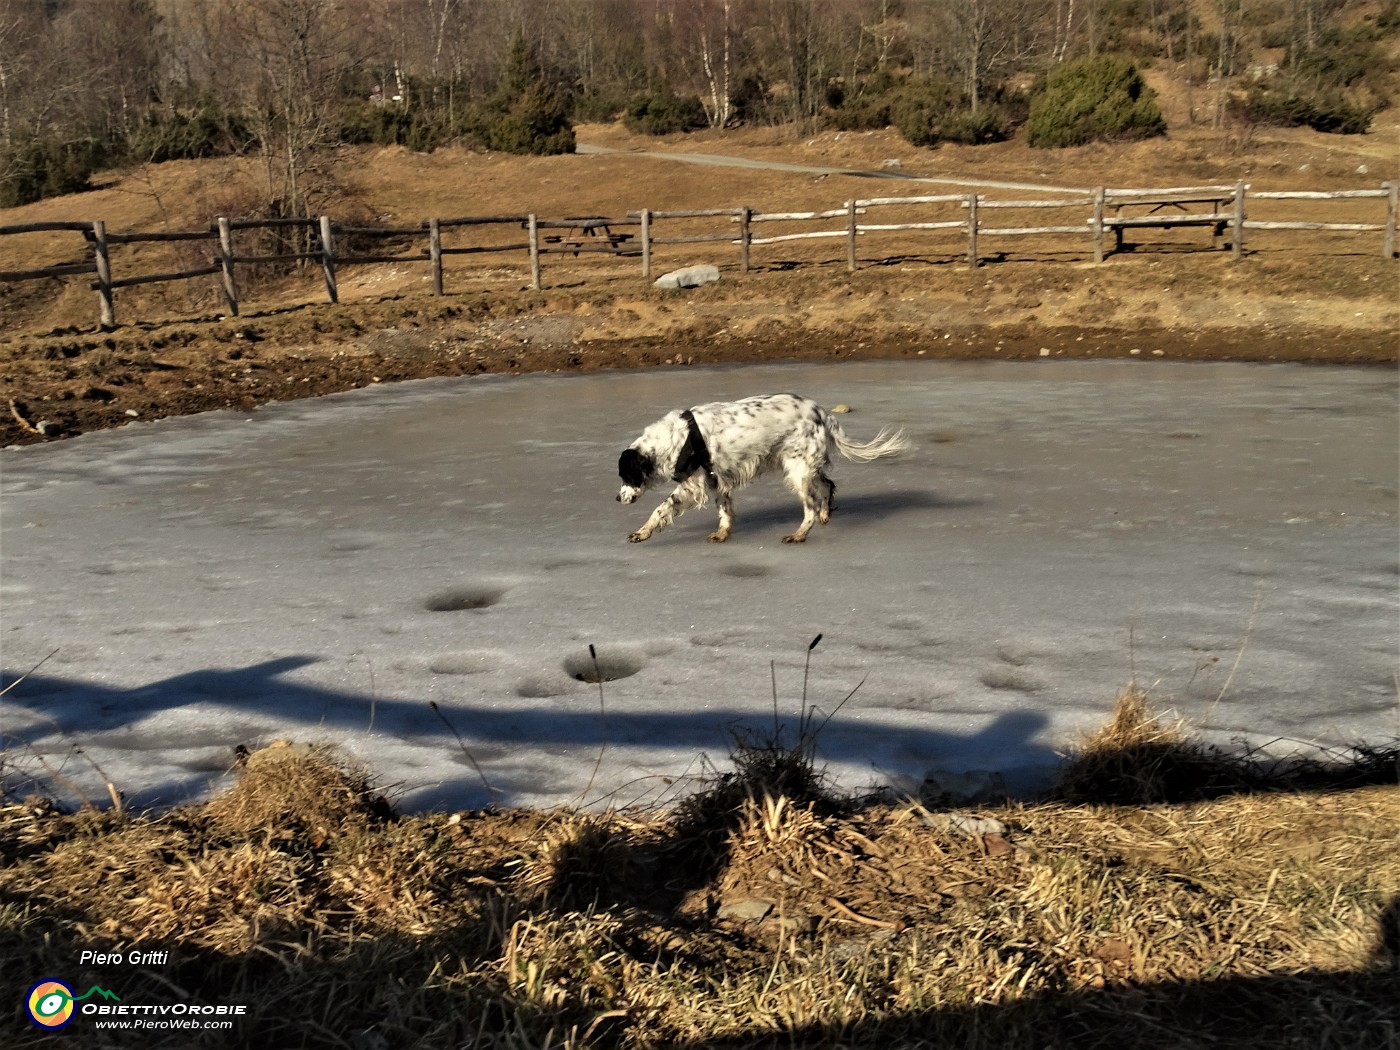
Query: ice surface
{"points": [[321, 570]]}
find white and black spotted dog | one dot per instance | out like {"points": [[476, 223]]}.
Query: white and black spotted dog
{"points": [[724, 445]]}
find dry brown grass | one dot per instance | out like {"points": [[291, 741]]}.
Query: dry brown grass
{"points": [[1136, 758], [1250, 919]]}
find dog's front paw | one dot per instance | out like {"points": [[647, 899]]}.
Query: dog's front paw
{"points": [[717, 537], [638, 537], [794, 538]]}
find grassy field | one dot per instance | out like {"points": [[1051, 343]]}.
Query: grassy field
{"points": [[1166, 894]]}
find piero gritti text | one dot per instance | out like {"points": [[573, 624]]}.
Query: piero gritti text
{"points": [[131, 958]]}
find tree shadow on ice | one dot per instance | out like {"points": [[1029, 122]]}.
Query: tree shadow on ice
{"points": [[195, 721], [192, 723]]}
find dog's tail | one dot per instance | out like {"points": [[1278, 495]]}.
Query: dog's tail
{"points": [[888, 442]]}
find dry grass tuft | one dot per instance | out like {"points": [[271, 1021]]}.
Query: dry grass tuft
{"points": [[582, 858], [292, 792], [1137, 759]]}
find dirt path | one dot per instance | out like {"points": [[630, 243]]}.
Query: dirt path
{"points": [[726, 161]]}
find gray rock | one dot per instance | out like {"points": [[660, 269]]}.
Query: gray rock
{"points": [[688, 277]]}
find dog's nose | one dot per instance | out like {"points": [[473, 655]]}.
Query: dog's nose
{"points": [[618, 497]]}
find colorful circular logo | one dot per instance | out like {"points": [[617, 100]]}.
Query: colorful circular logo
{"points": [[50, 1004]]}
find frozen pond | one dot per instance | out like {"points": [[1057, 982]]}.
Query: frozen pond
{"points": [[321, 570]]}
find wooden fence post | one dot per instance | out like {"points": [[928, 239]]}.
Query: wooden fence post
{"points": [[226, 264], [534, 228], [1237, 240], [1097, 223], [435, 253], [328, 258], [745, 233], [851, 235], [104, 273], [646, 242], [1392, 205], [972, 230]]}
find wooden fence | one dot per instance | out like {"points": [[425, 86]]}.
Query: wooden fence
{"points": [[1221, 209]]}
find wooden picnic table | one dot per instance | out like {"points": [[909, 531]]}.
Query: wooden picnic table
{"points": [[1217, 219], [590, 234]]}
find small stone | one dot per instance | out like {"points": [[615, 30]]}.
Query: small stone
{"points": [[996, 845], [965, 824], [1114, 952], [798, 922], [747, 909], [854, 947], [665, 939]]}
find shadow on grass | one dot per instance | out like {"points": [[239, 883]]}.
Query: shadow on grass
{"points": [[393, 990], [1343, 1011]]}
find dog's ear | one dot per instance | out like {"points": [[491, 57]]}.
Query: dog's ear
{"points": [[634, 467]]}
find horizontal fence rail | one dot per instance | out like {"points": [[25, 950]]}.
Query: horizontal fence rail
{"points": [[1223, 210]]}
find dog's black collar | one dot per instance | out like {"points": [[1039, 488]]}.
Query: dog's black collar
{"points": [[695, 454]]}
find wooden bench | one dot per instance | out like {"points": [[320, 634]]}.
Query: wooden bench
{"points": [[595, 237], [588, 235], [1218, 220]]}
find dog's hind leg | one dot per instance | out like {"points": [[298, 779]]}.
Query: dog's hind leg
{"points": [[802, 479], [809, 518], [826, 500], [725, 501]]}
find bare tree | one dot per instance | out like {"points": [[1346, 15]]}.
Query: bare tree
{"points": [[986, 38], [704, 35], [59, 74], [22, 31], [886, 32], [600, 45], [119, 82], [294, 55], [1063, 30], [805, 45]]}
